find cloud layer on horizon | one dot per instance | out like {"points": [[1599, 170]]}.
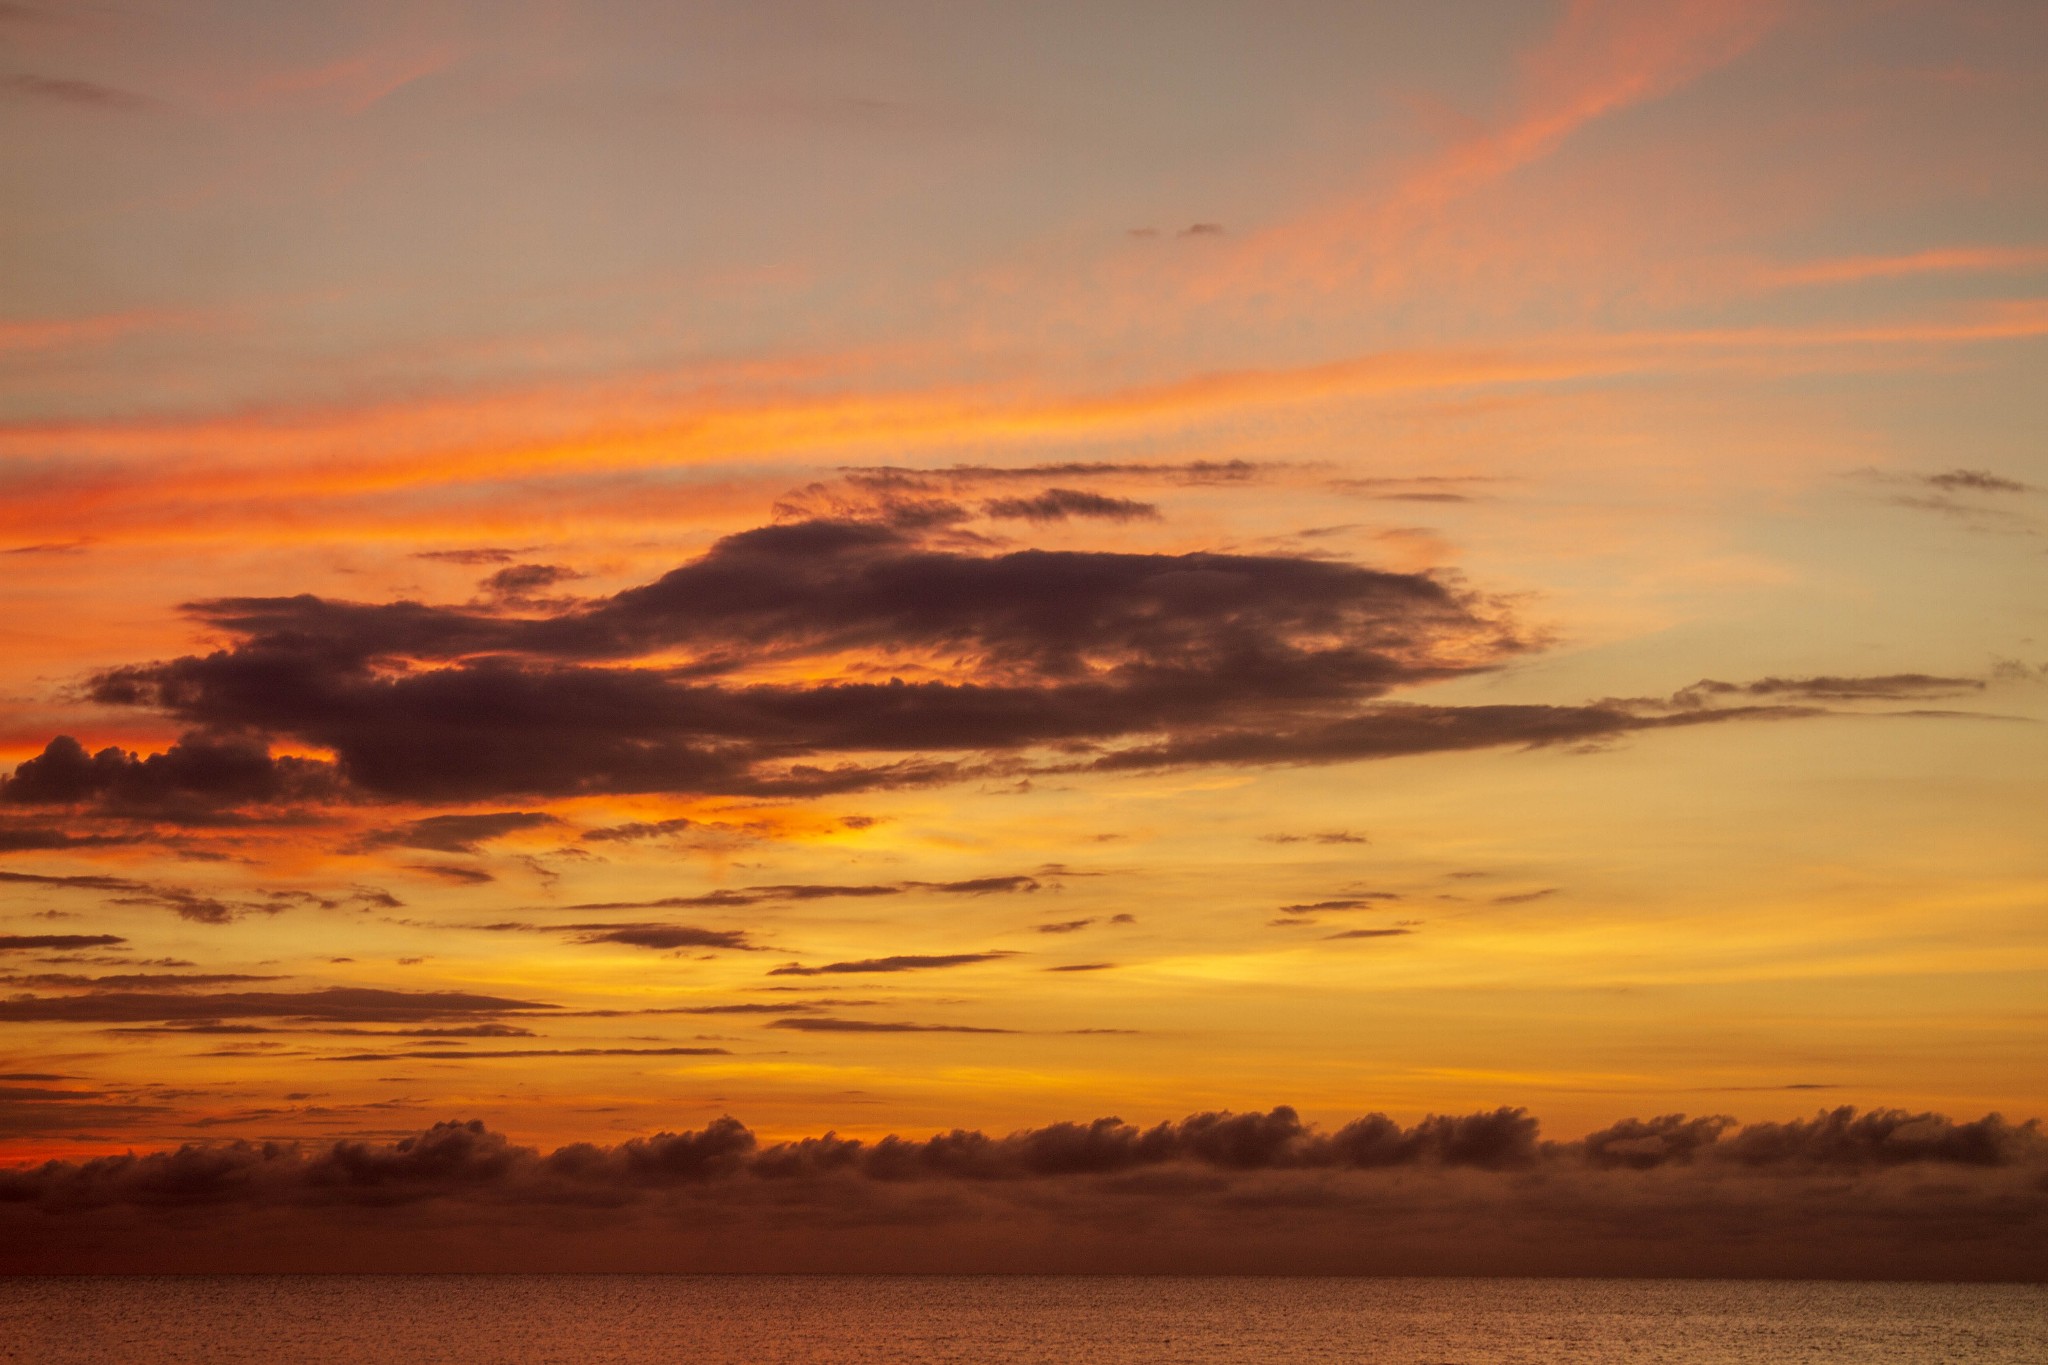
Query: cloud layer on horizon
{"points": [[1882, 1193]]}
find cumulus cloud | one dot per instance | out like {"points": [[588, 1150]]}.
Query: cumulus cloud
{"points": [[196, 780], [524, 585]]}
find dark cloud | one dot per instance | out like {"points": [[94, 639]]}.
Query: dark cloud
{"points": [[1332, 836], [1363, 900], [1642, 1144], [54, 547], [804, 891], [980, 886], [127, 981], [910, 962], [66, 90], [1525, 897], [1419, 488], [474, 557], [461, 876], [967, 664], [1399, 730], [1974, 481], [460, 1055], [10, 943], [659, 936], [1845, 1195], [456, 833], [1083, 967], [888, 478], [1843, 1138], [1500, 1140], [1058, 504], [198, 906], [636, 830], [522, 585], [465, 1031], [42, 838], [194, 781], [1043, 648], [785, 1007], [1884, 687], [636, 935], [1370, 933], [340, 1004], [1068, 926], [819, 1024]]}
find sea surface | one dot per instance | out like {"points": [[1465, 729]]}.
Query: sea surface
{"points": [[574, 1319]]}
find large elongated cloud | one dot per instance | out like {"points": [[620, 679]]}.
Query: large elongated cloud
{"points": [[915, 664]]}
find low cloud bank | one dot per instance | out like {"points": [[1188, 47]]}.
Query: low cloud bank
{"points": [[1883, 1193]]}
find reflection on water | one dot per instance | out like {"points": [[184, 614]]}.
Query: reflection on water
{"points": [[621, 1318]]}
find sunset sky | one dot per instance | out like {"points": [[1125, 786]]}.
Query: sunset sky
{"points": [[903, 566]]}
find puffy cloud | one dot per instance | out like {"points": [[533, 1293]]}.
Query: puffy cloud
{"points": [[194, 781], [1843, 1138], [1668, 1139]]}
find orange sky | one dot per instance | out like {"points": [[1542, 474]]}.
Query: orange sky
{"points": [[1306, 466]]}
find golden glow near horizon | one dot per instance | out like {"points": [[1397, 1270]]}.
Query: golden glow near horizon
{"points": [[1670, 345]]}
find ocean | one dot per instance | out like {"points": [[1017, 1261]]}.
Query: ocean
{"points": [[602, 1319]]}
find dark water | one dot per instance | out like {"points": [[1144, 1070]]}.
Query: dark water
{"points": [[518, 1319]]}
